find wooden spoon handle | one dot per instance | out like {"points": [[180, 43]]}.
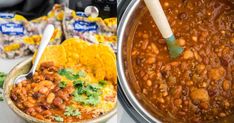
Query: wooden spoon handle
{"points": [[159, 17]]}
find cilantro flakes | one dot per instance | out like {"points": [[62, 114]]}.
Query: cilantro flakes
{"points": [[102, 82], [81, 73], [71, 111], [88, 95], [62, 84], [58, 118], [69, 74]]}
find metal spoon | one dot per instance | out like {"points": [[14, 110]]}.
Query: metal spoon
{"points": [[48, 32], [161, 21]]}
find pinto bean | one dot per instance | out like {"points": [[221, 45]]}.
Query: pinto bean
{"points": [[50, 98], [200, 95], [217, 73], [226, 85], [43, 90], [188, 54], [30, 110], [57, 101]]}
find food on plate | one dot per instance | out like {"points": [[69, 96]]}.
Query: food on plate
{"points": [[71, 85], [20, 37], [197, 86], [94, 30]]}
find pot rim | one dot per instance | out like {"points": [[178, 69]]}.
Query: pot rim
{"points": [[15, 109], [120, 66]]}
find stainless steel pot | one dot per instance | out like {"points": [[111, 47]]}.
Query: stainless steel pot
{"points": [[126, 30], [132, 99]]}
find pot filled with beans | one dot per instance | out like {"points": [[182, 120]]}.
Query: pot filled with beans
{"points": [[196, 87]]}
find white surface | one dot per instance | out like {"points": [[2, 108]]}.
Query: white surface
{"points": [[123, 117], [8, 116]]}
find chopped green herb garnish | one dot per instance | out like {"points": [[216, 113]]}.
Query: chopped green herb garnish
{"points": [[58, 118], [102, 82], [78, 83], [81, 73], [71, 111], [68, 74], [62, 84], [1, 98], [2, 78], [88, 95]]}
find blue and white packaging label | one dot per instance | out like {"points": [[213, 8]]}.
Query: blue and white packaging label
{"points": [[84, 26], [12, 29], [7, 15], [82, 14]]}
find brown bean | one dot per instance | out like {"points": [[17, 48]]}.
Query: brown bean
{"points": [[44, 106], [226, 85], [30, 110], [14, 97], [43, 90], [177, 102], [47, 113], [50, 98], [200, 95], [222, 114], [189, 83], [182, 113], [57, 101], [38, 109], [36, 95], [161, 100], [154, 48], [151, 60], [38, 116], [28, 104], [146, 36], [63, 94], [204, 105], [216, 73], [194, 38], [188, 54], [149, 83], [62, 106]]}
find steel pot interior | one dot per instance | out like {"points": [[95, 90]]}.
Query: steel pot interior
{"points": [[127, 27]]}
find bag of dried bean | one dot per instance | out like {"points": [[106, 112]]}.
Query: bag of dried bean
{"points": [[13, 28], [20, 37], [92, 29], [54, 17]]}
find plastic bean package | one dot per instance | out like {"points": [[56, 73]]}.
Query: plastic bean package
{"points": [[13, 29], [54, 17], [94, 30], [20, 37]]}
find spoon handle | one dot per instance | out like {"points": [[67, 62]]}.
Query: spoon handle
{"points": [[159, 17], [47, 34]]}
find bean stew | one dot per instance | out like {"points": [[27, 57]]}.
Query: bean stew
{"points": [[57, 94], [199, 85]]}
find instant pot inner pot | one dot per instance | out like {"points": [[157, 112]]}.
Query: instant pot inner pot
{"points": [[128, 40]]}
